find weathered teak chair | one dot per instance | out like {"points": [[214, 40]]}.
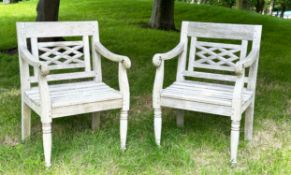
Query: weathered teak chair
{"points": [[77, 87], [217, 62]]}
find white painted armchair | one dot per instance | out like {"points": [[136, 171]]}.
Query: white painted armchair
{"points": [[231, 69], [77, 86]]}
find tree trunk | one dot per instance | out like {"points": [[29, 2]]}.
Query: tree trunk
{"points": [[283, 9], [271, 7], [163, 15], [241, 4], [260, 6], [48, 10]]}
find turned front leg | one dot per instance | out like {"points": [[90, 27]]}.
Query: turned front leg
{"points": [[123, 128], [158, 125], [235, 128], [47, 142]]}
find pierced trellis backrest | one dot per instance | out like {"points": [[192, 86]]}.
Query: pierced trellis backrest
{"points": [[217, 56], [61, 55], [211, 59]]}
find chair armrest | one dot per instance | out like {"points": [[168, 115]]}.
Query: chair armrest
{"points": [[247, 62], [29, 58], [112, 56], [158, 58]]}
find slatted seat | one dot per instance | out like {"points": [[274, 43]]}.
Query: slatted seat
{"points": [[75, 94], [64, 78], [216, 74], [203, 94]]}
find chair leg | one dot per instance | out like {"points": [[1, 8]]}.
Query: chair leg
{"points": [[123, 128], [47, 142], [249, 120], [25, 122], [235, 125], [158, 125], [95, 121], [180, 118]]}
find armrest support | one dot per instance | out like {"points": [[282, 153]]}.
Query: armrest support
{"points": [[112, 56], [158, 58], [45, 101], [124, 86], [29, 58], [237, 97], [247, 62]]}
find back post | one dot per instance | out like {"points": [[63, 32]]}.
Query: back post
{"points": [[183, 57]]}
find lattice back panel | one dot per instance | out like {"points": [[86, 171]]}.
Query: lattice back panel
{"points": [[64, 55], [217, 56]]}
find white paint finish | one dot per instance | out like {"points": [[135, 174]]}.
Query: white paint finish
{"points": [[86, 53], [213, 98], [86, 108], [249, 120], [25, 122], [192, 54], [123, 128], [222, 31], [190, 92], [158, 125], [66, 76], [51, 101], [234, 141], [65, 96], [58, 29], [212, 76], [66, 56], [47, 143]]}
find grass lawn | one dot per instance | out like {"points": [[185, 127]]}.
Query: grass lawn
{"points": [[201, 147]]}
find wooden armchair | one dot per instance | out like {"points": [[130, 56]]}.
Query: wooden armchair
{"points": [[219, 78], [58, 80]]}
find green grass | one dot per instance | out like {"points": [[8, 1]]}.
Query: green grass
{"points": [[202, 147]]}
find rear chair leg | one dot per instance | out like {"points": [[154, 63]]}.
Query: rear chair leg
{"points": [[158, 125], [123, 128], [249, 122], [180, 118], [96, 121], [25, 122]]}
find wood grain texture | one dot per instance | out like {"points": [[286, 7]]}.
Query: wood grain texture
{"points": [[73, 58], [204, 58]]}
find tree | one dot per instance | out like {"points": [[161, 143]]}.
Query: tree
{"points": [[241, 4], [48, 10], [271, 7], [283, 8], [260, 6], [163, 15]]}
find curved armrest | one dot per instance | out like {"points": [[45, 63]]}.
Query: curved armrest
{"points": [[29, 58], [158, 58], [247, 62], [112, 56]]}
